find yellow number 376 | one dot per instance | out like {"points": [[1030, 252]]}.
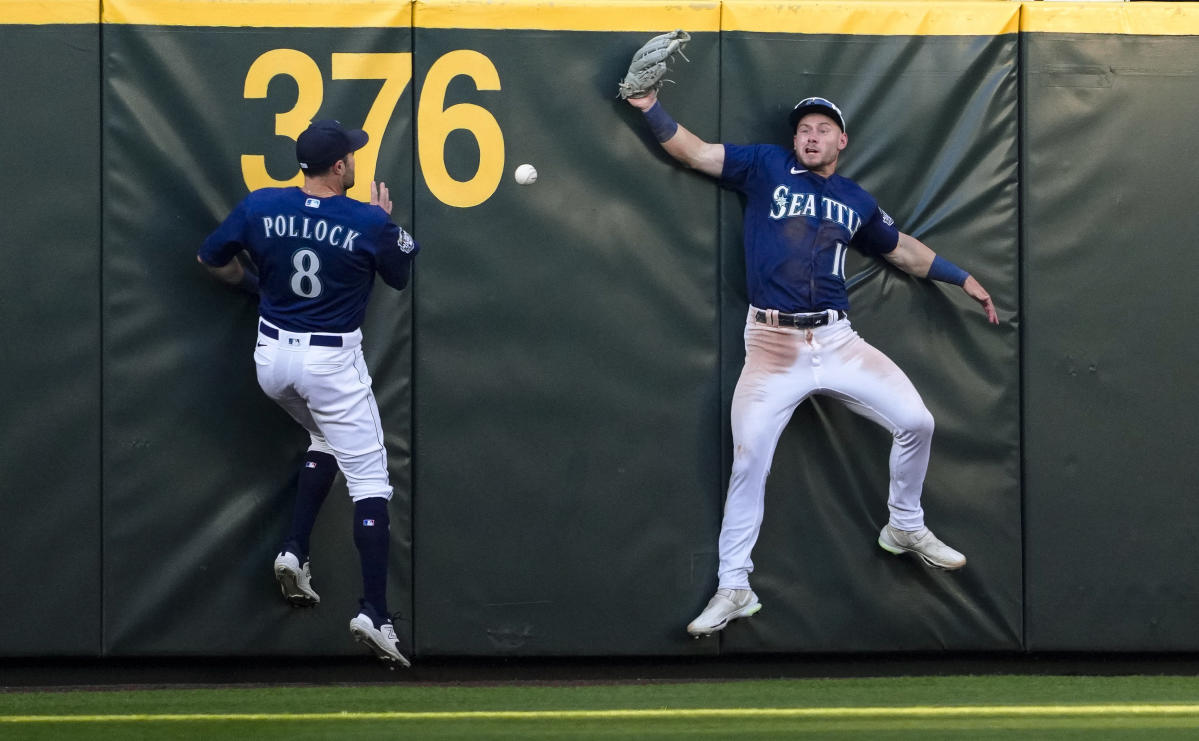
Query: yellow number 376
{"points": [[434, 122]]}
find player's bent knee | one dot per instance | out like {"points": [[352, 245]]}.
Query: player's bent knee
{"points": [[366, 474], [926, 423], [920, 424]]}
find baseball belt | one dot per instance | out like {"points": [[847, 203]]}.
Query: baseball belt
{"points": [[775, 318], [323, 340]]}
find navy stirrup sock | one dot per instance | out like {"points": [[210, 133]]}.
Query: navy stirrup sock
{"points": [[372, 537], [315, 481]]}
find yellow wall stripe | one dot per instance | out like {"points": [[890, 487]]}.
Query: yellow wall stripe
{"points": [[47, 12], [1141, 19], [570, 15], [261, 13], [879, 18], [869, 17], [910, 712]]}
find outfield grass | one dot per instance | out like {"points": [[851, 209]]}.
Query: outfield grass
{"points": [[982, 707]]}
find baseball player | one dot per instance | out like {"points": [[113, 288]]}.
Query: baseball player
{"points": [[317, 253], [800, 217]]}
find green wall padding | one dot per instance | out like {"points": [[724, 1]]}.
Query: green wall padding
{"points": [[50, 288], [1110, 394], [566, 383], [199, 467], [555, 384]]}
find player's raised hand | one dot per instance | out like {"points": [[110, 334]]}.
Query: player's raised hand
{"points": [[380, 196], [975, 291]]}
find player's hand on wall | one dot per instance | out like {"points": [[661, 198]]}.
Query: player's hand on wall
{"points": [[380, 196], [975, 291]]}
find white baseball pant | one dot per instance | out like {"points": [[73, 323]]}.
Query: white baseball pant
{"points": [[784, 366], [328, 391]]}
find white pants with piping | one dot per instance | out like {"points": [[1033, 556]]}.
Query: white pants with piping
{"points": [[328, 391], [784, 366]]}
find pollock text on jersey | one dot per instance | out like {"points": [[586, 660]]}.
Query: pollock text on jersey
{"points": [[317, 230]]}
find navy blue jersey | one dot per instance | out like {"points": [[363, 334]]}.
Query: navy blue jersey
{"points": [[316, 257], [797, 227]]}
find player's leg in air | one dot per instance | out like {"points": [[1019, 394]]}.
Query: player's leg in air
{"points": [[872, 385]]}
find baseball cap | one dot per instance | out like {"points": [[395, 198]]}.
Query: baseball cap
{"points": [[325, 142], [816, 105]]}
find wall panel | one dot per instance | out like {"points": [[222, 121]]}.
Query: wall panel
{"points": [[199, 466], [566, 358], [930, 96], [1110, 396], [50, 257]]}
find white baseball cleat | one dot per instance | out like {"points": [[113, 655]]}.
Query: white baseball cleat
{"points": [[295, 581], [923, 543], [725, 605], [379, 635]]}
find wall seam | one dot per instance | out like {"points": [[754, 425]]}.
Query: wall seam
{"points": [[102, 623], [413, 437], [1021, 92]]}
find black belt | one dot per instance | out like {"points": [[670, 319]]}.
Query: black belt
{"points": [[799, 321], [324, 340]]}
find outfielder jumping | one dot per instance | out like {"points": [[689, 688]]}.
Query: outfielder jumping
{"points": [[800, 217], [317, 253]]}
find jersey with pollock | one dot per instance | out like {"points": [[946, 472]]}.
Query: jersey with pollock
{"points": [[798, 226], [316, 257]]}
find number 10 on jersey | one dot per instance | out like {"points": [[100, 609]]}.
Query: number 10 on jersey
{"points": [[839, 260]]}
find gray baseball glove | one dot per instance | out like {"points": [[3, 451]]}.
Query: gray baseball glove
{"points": [[649, 64]]}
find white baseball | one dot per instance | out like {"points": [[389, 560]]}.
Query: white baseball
{"points": [[525, 175]]}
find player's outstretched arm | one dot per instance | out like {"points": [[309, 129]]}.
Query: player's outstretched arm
{"points": [[915, 258], [678, 141]]}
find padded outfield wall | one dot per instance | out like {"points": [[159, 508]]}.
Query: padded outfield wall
{"points": [[555, 383], [50, 288], [1109, 155]]}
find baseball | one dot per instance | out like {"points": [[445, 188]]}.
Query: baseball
{"points": [[525, 175]]}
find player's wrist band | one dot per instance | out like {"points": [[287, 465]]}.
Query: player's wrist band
{"points": [[946, 272], [660, 122]]}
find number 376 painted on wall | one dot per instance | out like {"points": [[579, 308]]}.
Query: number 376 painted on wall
{"points": [[434, 122]]}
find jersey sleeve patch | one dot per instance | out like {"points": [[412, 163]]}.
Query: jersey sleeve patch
{"points": [[405, 242], [878, 234]]}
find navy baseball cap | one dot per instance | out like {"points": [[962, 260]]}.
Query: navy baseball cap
{"points": [[816, 105], [325, 142]]}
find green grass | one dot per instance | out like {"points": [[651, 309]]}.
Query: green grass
{"points": [[925, 708]]}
